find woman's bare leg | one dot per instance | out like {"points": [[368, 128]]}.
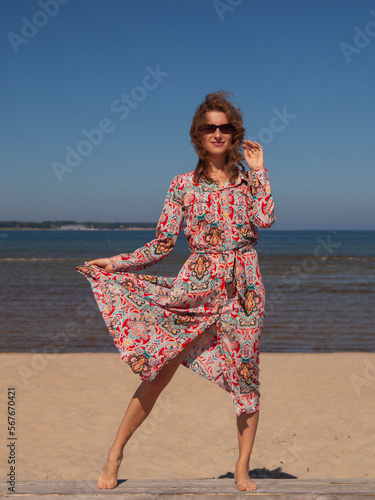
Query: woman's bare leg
{"points": [[139, 408], [247, 424]]}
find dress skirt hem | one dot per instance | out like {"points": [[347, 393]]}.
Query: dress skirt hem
{"points": [[150, 326]]}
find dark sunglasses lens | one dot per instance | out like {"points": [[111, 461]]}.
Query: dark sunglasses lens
{"points": [[209, 129], [226, 129]]}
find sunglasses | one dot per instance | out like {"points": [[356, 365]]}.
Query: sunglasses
{"points": [[225, 128]]}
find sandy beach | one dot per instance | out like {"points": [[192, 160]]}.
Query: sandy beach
{"points": [[316, 421]]}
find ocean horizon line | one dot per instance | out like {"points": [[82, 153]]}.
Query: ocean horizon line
{"points": [[146, 226]]}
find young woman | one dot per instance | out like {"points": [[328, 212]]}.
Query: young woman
{"points": [[209, 318]]}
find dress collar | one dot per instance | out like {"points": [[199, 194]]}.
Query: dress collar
{"points": [[212, 186]]}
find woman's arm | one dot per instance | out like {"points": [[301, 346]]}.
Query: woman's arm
{"points": [[263, 207], [167, 231]]}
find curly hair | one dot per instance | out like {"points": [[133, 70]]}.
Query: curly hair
{"points": [[218, 101]]}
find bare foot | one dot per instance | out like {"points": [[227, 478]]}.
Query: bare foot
{"points": [[242, 479], [108, 478]]}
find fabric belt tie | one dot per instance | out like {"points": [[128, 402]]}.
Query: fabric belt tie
{"points": [[236, 268]]}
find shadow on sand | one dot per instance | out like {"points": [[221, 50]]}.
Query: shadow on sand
{"points": [[262, 474]]}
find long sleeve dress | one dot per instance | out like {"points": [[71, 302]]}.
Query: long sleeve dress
{"points": [[218, 294]]}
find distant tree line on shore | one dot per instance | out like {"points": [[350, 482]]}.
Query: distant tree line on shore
{"points": [[49, 224]]}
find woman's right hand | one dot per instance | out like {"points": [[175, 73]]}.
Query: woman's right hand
{"points": [[103, 263]]}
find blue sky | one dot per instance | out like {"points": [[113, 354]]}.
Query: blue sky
{"points": [[136, 70]]}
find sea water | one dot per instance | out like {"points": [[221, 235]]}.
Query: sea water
{"points": [[320, 289]]}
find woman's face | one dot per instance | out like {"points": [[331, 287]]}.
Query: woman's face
{"points": [[216, 143]]}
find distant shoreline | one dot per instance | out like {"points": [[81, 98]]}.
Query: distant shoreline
{"points": [[69, 225], [124, 226], [153, 228], [75, 229]]}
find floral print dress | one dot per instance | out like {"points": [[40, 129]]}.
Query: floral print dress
{"points": [[218, 294]]}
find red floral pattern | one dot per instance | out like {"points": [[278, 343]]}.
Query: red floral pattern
{"points": [[218, 294]]}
